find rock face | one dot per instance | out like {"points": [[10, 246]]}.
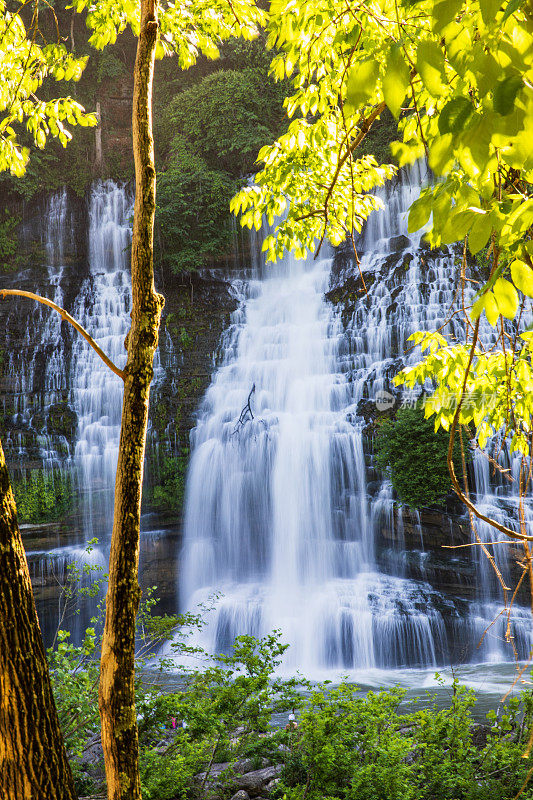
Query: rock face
{"points": [[39, 422], [417, 545]]}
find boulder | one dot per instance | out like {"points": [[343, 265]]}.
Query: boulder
{"points": [[257, 781], [241, 795]]}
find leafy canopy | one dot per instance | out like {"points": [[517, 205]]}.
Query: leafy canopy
{"points": [[458, 75], [186, 29], [192, 210], [25, 63], [217, 126]]}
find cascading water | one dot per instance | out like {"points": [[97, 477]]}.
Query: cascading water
{"points": [[283, 513], [65, 374], [36, 376], [102, 308]]}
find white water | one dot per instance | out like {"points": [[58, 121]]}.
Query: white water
{"points": [[64, 369], [283, 514], [36, 376], [102, 308]]}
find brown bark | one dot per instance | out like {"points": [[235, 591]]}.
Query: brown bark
{"points": [[116, 698], [98, 159], [33, 761]]}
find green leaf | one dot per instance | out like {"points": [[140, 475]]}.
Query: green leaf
{"points": [[491, 308], [488, 71], [479, 233], [477, 308], [458, 40], [512, 6], [505, 94], [362, 81], [395, 80], [489, 9], [430, 65], [455, 115], [522, 277], [419, 213], [462, 221], [506, 297], [487, 302], [441, 155], [444, 12]]}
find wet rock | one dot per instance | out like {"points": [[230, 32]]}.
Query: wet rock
{"points": [[480, 734], [62, 420], [400, 242], [92, 753]]}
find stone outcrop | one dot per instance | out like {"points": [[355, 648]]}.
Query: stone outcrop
{"points": [[238, 777]]}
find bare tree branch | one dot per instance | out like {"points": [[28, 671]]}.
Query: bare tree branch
{"points": [[66, 316], [246, 413]]}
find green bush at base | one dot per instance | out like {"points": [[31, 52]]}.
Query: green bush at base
{"points": [[347, 746]]}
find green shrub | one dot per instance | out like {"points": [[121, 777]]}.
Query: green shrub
{"points": [[415, 456], [349, 747], [43, 496], [228, 116], [169, 492], [210, 136], [109, 66], [193, 211], [8, 241]]}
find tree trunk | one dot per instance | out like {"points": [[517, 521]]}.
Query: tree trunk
{"points": [[33, 761], [98, 160], [116, 697]]}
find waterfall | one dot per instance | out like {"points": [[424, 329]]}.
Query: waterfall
{"points": [[284, 512], [36, 376], [102, 308], [51, 370]]}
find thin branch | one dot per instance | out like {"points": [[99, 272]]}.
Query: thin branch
{"points": [[475, 544], [457, 488], [66, 316], [246, 413], [364, 126]]}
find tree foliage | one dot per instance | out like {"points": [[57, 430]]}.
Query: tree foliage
{"points": [[186, 30], [217, 127], [491, 379], [228, 116], [192, 220], [26, 61]]}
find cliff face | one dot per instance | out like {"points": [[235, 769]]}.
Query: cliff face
{"points": [[407, 287], [42, 402]]}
